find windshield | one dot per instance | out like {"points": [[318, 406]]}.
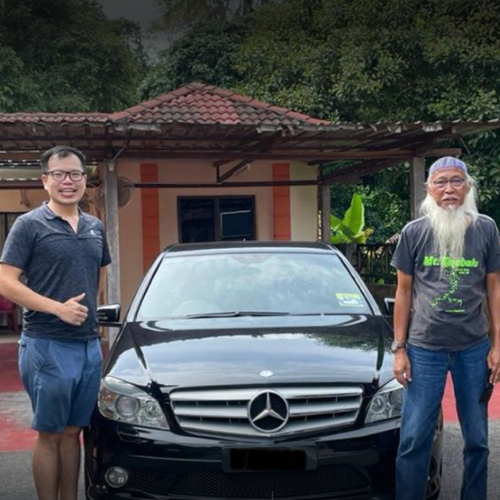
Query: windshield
{"points": [[249, 284]]}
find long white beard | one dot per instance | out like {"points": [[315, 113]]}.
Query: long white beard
{"points": [[450, 224]]}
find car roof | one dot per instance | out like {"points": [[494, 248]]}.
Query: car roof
{"points": [[250, 246]]}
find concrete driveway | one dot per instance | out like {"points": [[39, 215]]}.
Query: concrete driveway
{"points": [[16, 438]]}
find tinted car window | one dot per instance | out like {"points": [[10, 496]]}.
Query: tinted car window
{"points": [[289, 283]]}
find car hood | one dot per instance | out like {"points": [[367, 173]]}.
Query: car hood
{"points": [[253, 351]]}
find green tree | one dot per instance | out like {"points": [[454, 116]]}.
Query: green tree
{"points": [[65, 55], [366, 61], [385, 200], [377, 59], [177, 15], [389, 60], [17, 89], [205, 54]]}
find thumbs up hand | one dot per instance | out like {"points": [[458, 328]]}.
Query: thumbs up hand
{"points": [[72, 311]]}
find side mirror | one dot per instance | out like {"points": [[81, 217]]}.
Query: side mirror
{"points": [[109, 315], [389, 305]]}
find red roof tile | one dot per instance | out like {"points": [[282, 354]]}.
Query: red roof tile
{"points": [[54, 117], [205, 104], [195, 103]]}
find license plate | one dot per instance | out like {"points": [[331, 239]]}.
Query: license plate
{"points": [[262, 459]]}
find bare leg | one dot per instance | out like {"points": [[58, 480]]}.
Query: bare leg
{"points": [[69, 450], [46, 465]]}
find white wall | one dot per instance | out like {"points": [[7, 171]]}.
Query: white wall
{"points": [[130, 228], [11, 200], [303, 202], [203, 172]]}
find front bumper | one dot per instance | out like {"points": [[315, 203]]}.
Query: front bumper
{"points": [[162, 465]]}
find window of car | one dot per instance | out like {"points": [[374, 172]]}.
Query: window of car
{"points": [[253, 282]]}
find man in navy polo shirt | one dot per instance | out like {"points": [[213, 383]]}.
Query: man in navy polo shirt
{"points": [[61, 252]]}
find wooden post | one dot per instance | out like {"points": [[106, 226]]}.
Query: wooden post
{"points": [[417, 185], [112, 235], [325, 212]]}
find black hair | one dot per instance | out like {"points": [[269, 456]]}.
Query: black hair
{"points": [[62, 152]]}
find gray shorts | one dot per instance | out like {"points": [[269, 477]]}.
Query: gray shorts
{"points": [[62, 380]]}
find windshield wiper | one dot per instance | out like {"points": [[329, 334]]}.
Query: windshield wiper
{"points": [[318, 314], [231, 314]]}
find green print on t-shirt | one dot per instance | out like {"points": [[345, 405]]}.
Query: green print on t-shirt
{"points": [[446, 262], [454, 277], [453, 269]]}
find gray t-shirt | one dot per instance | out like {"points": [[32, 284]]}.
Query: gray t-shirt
{"points": [[447, 310], [58, 263]]}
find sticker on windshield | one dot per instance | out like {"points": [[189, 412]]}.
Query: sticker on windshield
{"points": [[349, 299]]}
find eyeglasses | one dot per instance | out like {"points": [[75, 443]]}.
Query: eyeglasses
{"points": [[60, 175], [456, 182]]}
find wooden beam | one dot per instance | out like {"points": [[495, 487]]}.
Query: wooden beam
{"points": [[239, 167], [417, 185], [91, 154], [225, 154], [20, 155], [361, 169], [20, 185], [271, 155], [433, 152], [219, 163], [163, 185], [313, 163], [325, 212], [112, 235]]}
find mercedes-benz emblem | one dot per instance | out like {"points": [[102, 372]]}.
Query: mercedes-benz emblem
{"points": [[268, 411]]}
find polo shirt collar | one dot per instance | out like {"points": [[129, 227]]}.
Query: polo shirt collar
{"points": [[50, 215]]}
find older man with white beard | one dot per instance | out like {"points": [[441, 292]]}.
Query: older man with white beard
{"points": [[448, 265]]}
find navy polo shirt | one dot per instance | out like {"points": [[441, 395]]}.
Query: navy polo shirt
{"points": [[58, 263]]}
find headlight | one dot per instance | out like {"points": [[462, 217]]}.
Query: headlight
{"points": [[124, 402], [386, 403]]}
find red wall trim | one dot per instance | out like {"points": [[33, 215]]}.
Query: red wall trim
{"points": [[150, 215], [281, 203]]}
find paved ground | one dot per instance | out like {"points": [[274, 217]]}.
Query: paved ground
{"points": [[17, 482], [16, 438]]}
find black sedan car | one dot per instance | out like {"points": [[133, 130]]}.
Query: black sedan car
{"points": [[248, 371]]}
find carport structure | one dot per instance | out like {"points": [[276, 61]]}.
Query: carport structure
{"points": [[227, 132]]}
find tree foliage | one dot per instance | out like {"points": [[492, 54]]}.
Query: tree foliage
{"points": [[377, 59], [363, 60], [208, 55], [178, 15], [65, 55]]}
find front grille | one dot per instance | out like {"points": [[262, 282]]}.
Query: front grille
{"points": [[226, 411], [278, 484], [141, 479]]}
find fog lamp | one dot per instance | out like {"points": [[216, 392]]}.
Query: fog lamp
{"points": [[116, 477]]}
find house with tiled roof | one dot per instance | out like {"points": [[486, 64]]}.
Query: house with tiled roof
{"points": [[205, 164]]}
